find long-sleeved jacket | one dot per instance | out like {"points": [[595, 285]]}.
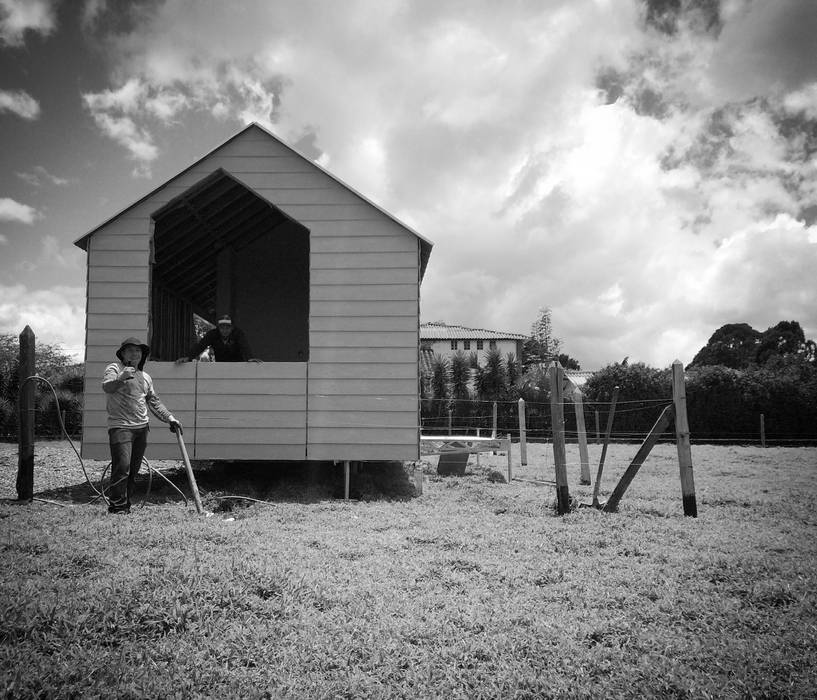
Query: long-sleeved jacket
{"points": [[234, 349], [128, 402]]}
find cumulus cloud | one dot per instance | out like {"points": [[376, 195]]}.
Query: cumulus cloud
{"points": [[19, 16], [20, 103], [56, 315], [39, 176], [633, 172], [13, 211]]}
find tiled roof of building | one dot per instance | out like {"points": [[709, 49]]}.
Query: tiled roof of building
{"points": [[443, 331]]}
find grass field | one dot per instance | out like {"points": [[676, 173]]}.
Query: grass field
{"points": [[474, 589]]}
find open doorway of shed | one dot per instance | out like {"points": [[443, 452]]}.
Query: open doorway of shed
{"points": [[219, 248]]}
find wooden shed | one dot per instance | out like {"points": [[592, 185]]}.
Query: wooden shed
{"points": [[325, 284]]}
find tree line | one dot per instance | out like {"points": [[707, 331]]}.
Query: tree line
{"points": [[739, 375]]}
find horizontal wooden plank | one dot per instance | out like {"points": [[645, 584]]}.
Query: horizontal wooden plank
{"points": [[98, 273], [250, 436], [364, 244], [372, 420], [363, 436], [295, 453], [112, 322], [355, 261], [365, 323], [121, 242], [362, 387], [110, 258], [373, 227], [206, 420], [368, 355], [118, 290], [136, 305], [112, 338], [123, 226], [251, 370], [364, 452], [366, 292], [361, 276], [242, 168], [364, 339], [306, 214], [341, 402], [249, 387], [362, 308], [360, 371], [242, 402]]}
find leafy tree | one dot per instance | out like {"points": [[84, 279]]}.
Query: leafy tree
{"points": [[541, 346], [460, 376], [784, 339], [568, 362], [732, 345], [512, 369], [492, 379], [440, 373]]}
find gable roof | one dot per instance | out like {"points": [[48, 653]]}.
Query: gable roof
{"points": [[425, 244], [442, 331]]}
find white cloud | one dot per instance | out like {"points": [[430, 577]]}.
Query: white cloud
{"points": [[19, 16], [20, 103], [56, 315], [3, 239], [11, 210], [39, 176], [644, 224]]}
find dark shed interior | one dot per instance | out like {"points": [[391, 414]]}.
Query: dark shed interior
{"points": [[218, 249]]}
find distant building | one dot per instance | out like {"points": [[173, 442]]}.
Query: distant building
{"points": [[438, 338]]}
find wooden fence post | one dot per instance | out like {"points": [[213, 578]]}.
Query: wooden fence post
{"points": [[450, 412], [523, 443], [578, 407], [682, 440], [510, 463], [762, 430], [25, 455], [598, 432], [493, 429], [556, 374]]}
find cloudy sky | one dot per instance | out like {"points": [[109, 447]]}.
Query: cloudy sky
{"points": [[648, 170]]}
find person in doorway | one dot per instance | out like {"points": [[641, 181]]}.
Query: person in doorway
{"points": [[228, 342], [129, 394]]}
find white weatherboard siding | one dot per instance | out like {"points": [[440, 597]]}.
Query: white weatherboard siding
{"points": [[358, 396]]}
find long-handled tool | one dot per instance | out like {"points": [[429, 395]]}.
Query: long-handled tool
{"points": [[610, 416], [190, 477]]}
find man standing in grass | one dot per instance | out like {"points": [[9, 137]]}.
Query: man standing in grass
{"points": [[129, 393]]}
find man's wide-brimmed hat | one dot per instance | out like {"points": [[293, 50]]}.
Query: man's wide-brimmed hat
{"points": [[139, 344], [225, 320]]}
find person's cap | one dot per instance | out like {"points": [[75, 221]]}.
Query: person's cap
{"points": [[225, 320], [139, 344]]}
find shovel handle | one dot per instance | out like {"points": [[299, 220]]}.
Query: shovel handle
{"points": [[189, 469]]}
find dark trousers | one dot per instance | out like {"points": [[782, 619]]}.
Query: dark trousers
{"points": [[127, 450]]}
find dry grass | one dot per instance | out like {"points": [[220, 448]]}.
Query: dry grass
{"points": [[474, 589]]}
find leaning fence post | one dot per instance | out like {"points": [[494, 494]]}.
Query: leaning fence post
{"points": [[682, 440], [450, 414], [523, 443], [598, 432], [510, 460], [762, 430], [578, 407], [556, 374], [25, 458]]}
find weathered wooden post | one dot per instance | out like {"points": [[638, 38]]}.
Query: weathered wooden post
{"points": [[493, 424], [523, 443], [682, 440], [510, 460], [762, 430], [556, 376], [450, 419], [578, 407], [346, 478], [25, 458], [598, 432]]}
